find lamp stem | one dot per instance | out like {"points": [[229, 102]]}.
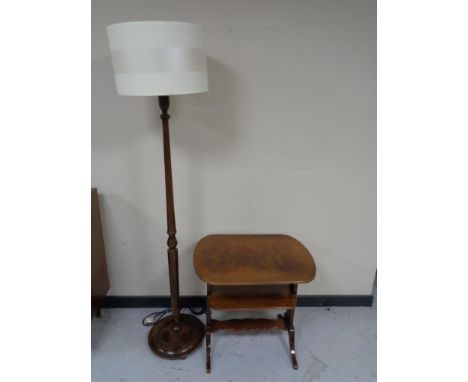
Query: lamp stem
{"points": [[172, 253], [179, 334]]}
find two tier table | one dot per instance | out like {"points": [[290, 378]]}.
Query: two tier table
{"points": [[249, 273]]}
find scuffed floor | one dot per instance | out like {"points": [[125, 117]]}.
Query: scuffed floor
{"points": [[332, 344]]}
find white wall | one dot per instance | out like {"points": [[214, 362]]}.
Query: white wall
{"points": [[284, 141]]}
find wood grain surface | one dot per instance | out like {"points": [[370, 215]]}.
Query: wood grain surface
{"points": [[252, 259]]}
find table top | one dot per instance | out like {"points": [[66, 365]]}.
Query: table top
{"points": [[252, 259]]}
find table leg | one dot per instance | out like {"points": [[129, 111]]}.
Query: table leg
{"points": [[208, 351], [208, 333], [291, 332]]}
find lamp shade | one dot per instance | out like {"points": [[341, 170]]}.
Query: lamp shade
{"points": [[158, 58]]}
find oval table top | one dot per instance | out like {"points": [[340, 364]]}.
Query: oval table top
{"points": [[252, 259]]}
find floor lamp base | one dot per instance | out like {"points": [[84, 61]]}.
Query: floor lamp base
{"points": [[165, 342]]}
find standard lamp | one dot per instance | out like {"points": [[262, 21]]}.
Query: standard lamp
{"points": [[162, 58]]}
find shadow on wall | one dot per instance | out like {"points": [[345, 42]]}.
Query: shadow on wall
{"points": [[203, 128], [204, 123], [209, 138], [206, 133]]}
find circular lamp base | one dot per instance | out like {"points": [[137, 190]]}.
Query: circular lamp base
{"points": [[165, 342]]}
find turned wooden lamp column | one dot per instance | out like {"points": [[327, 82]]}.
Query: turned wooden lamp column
{"points": [[162, 58]]}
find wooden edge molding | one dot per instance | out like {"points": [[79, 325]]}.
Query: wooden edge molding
{"points": [[200, 301]]}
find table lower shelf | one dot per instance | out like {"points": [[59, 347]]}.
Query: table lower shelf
{"points": [[250, 324], [238, 303]]}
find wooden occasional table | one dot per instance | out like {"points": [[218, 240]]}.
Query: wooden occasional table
{"points": [[252, 272]]}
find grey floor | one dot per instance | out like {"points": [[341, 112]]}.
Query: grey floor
{"points": [[332, 344]]}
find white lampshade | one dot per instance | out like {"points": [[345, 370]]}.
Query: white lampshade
{"points": [[158, 58]]}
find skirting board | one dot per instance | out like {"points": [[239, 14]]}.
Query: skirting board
{"points": [[199, 301]]}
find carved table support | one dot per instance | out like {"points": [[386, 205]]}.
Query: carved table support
{"points": [[282, 322]]}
